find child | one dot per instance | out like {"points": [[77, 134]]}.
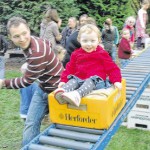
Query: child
{"points": [[141, 23], [130, 25], [124, 50], [87, 70]]}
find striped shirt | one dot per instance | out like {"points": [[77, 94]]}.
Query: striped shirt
{"points": [[43, 66]]}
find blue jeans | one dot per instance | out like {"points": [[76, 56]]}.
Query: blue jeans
{"points": [[26, 95], [37, 110], [2, 67], [124, 62]]}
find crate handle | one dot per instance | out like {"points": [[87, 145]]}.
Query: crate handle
{"points": [[81, 107]]}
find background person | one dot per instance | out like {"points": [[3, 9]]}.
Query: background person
{"points": [[68, 30], [110, 38], [130, 24], [49, 28], [3, 49], [26, 95], [141, 21]]}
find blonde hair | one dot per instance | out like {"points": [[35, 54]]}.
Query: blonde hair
{"points": [[88, 28], [129, 19], [145, 2]]}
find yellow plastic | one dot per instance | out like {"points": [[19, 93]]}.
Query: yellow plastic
{"points": [[98, 112]]}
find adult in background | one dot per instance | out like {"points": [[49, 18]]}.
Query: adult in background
{"points": [[43, 66], [3, 49], [141, 21], [49, 28], [72, 42], [68, 30], [26, 94], [110, 38]]}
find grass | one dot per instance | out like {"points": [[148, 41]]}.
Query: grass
{"points": [[11, 126]]}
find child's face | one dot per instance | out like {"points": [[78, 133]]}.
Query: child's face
{"points": [[131, 23], [126, 34], [89, 41], [146, 6]]}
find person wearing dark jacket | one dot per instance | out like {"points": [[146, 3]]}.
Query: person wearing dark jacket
{"points": [[72, 43], [124, 50], [3, 49]]}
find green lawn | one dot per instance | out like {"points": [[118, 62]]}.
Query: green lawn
{"points": [[11, 126]]}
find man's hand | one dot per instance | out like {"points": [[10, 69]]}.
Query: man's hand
{"points": [[118, 85], [1, 83]]}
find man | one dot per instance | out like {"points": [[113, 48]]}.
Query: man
{"points": [[71, 42], [43, 66], [3, 49], [68, 30]]}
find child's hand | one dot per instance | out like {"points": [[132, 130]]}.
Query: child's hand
{"points": [[61, 84], [118, 85]]}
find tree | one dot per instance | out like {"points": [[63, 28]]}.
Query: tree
{"points": [[33, 10]]}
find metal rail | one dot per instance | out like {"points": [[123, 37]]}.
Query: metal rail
{"points": [[62, 137]]}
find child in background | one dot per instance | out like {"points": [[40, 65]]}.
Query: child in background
{"points": [[124, 49], [87, 69], [130, 25], [141, 23], [60, 52]]}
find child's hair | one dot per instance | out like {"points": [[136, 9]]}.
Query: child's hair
{"points": [[130, 19], [88, 28], [59, 51], [145, 2]]}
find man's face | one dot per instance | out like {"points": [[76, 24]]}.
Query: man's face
{"points": [[71, 23], [20, 36]]}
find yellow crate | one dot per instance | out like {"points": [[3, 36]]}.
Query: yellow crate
{"points": [[96, 112]]}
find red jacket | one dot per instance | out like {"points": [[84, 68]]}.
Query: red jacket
{"points": [[132, 33], [85, 65], [124, 50]]}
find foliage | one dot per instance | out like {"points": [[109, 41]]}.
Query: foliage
{"points": [[118, 11], [33, 10]]}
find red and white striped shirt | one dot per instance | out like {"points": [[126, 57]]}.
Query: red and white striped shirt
{"points": [[43, 66]]}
